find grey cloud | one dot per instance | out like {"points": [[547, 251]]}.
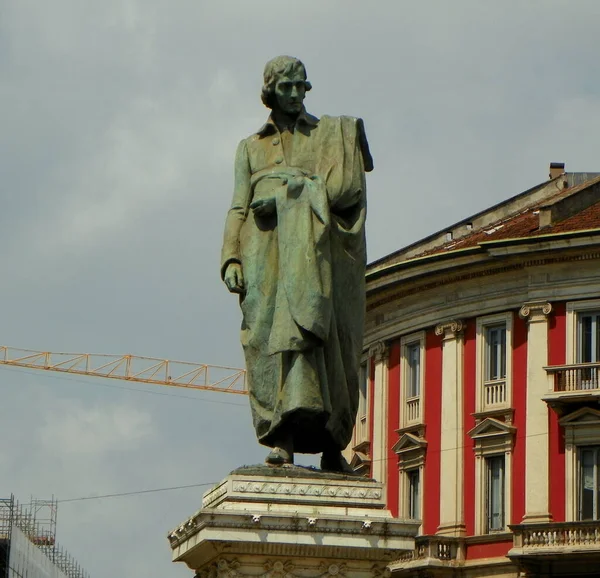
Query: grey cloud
{"points": [[120, 121]]}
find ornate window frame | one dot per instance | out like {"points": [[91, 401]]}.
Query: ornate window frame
{"points": [[411, 409], [582, 428], [573, 308], [361, 427], [411, 450], [492, 437], [481, 407]]}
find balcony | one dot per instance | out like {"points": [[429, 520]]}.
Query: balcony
{"points": [[575, 383], [413, 410], [568, 548], [494, 394], [431, 552]]}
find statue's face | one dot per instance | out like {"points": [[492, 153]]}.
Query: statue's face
{"points": [[290, 91]]}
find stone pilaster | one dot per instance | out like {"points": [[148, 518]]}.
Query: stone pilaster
{"points": [[536, 421], [451, 490], [379, 352]]}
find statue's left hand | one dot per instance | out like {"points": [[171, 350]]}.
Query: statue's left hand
{"points": [[264, 207]]}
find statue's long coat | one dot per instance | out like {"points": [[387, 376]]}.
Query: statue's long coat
{"points": [[303, 307]]}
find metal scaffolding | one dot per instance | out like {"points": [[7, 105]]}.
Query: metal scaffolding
{"points": [[37, 521]]}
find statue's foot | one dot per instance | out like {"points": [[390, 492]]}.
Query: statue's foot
{"points": [[334, 461], [279, 456]]}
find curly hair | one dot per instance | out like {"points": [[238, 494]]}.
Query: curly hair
{"points": [[276, 68]]}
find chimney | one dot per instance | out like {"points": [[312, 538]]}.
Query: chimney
{"points": [[556, 169]]}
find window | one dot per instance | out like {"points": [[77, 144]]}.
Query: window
{"points": [[411, 449], [413, 360], [583, 345], [495, 352], [589, 483], [413, 478], [588, 337], [494, 499], [493, 462], [494, 362], [583, 331], [582, 461], [361, 417], [411, 380]]}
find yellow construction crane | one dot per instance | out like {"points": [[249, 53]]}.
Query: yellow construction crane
{"points": [[131, 368]]}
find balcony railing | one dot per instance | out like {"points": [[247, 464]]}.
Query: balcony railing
{"points": [[580, 377], [541, 538], [494, 393], [445, 549], [413, 409]]}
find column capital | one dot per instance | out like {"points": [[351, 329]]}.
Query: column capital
{"points": [[535, 310], [450, 329], [379, 351]]}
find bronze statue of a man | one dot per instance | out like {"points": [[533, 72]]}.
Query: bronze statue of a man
{"points": [[294, 249]]}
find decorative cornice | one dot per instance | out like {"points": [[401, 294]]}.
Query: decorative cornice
{"points": [[450, 329], [390, 295], [301, 524], [535, 310], [379, 351]]}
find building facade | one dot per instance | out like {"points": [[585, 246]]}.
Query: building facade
{"points": [[479, 405]]}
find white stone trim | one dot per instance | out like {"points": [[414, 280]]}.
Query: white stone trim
{"points": [[419, 337], [573, 308], [482, 323], [379, 443], [451, 452], [492, 438], [537, 474]]}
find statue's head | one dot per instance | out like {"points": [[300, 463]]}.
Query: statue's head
{"points": [[285, 84]]}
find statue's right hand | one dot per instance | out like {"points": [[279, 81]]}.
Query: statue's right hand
{"points": [[234, 278]]}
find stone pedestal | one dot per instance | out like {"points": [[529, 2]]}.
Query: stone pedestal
{"points": [[292, 522]]}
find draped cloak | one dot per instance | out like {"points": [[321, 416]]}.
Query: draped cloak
{"points": [[304, 267]]}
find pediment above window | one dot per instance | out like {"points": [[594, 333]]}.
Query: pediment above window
{"points": [[492, 437], [409, 442], [584, 416], [411, 451], [490, 427], [361, 463]]}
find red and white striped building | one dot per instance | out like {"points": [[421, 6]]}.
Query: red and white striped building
{"points": [[480, 404]]}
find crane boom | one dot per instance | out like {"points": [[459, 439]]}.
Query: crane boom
{"points": [[131, 368]]}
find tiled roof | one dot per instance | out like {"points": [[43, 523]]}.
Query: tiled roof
{"points": [[526, 223]]}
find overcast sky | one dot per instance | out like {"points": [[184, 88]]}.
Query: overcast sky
{"points": [[120, 120]]}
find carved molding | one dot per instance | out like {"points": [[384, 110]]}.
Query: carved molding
{"points": [[295, 489], [314, 491], [450, 329], [379, 351], [392, 296], [535, 310], [233, 568]]}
